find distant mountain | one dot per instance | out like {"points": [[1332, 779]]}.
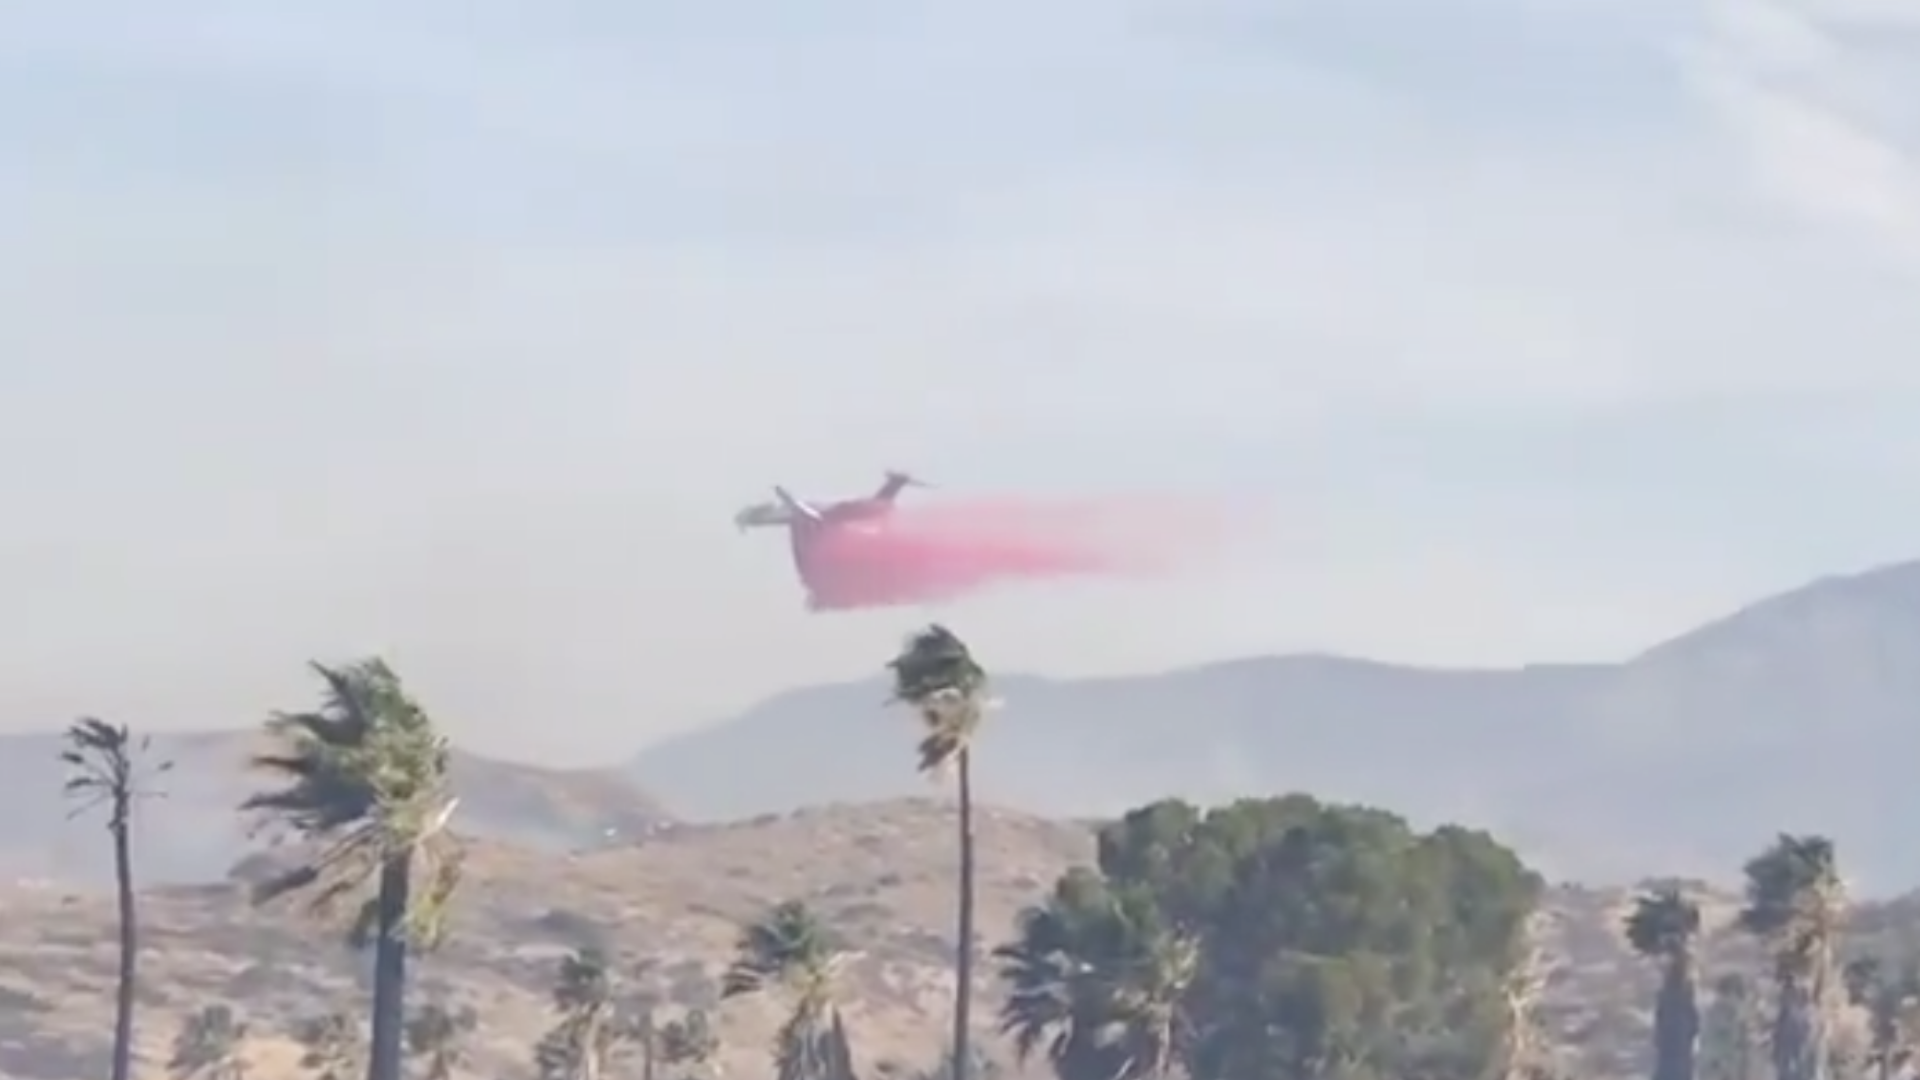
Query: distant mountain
{"points": [[1798, 712], [193, 833], [1801, 712]]}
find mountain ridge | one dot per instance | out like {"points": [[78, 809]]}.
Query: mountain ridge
{"points": [[1680, 759]]}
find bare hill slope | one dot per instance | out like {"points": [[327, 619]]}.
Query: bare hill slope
{"points": [[882, 873]]}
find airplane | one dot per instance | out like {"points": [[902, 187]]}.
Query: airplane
{"points": [[826, 577], [790, 510]]}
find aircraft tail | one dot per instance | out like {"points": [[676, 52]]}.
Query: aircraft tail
{"points": [[896, 482]]}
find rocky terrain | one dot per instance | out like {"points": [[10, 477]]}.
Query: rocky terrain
{"points": [[670, 905]]}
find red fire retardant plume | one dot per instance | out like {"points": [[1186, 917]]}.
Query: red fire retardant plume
{"points": [[923, 554]]}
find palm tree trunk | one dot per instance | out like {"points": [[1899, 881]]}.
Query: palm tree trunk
{"points": [[963, 957], [590, 1053], [385, 1046], [1676, 1023], [1799, 1042], [129, 948]]}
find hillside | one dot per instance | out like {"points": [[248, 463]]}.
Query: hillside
{"points": [[1683, 759], [881, 873], [193, 834]]}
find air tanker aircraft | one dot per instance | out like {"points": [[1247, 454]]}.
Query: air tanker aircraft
{"points": [[813, 529], [789, 511]]}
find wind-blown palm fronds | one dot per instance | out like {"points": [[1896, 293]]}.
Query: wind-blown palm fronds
{"points": [[107, 767], [1100, 984], [364, 789], [936, 675], [365, 778], [1793, 906], [790, 950], [593, 1025]]}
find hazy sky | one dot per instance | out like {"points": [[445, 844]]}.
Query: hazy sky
{"points": [[1531, 328]]}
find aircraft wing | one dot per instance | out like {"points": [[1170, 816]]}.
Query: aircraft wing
{"points": [[796, 507], [762, 515]]}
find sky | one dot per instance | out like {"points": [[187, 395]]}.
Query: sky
{"points": [[1516, 330]]}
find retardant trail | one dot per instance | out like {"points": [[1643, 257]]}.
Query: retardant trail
{"points": [[922, 554]]}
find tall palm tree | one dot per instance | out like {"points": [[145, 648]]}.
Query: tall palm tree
{"points": [[592, 1028], [1662, 927], [107, 767], [936, 675], [790, 949], [1891, 998], [364, 785], [208, 1045], [1793, 900], [436, 1035], [1100, 982]]}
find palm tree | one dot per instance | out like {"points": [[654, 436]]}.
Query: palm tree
{"points": [[106, 767], [592, 1026], [365, 786], [1793, 903], [1892, 1003], [791, 949], [330, 1046], [1662, 927], [936, 675], [1100, 982], [435, 1035], [207, 1047]]}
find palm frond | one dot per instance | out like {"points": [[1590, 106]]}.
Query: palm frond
{"points": [[932, 661], [935, 673], [788, 945], [1663, 922], [362, 781], [338, 871], [442, 858], [1099, 976], [92, 735], [1794, 897], [106, 765]]}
